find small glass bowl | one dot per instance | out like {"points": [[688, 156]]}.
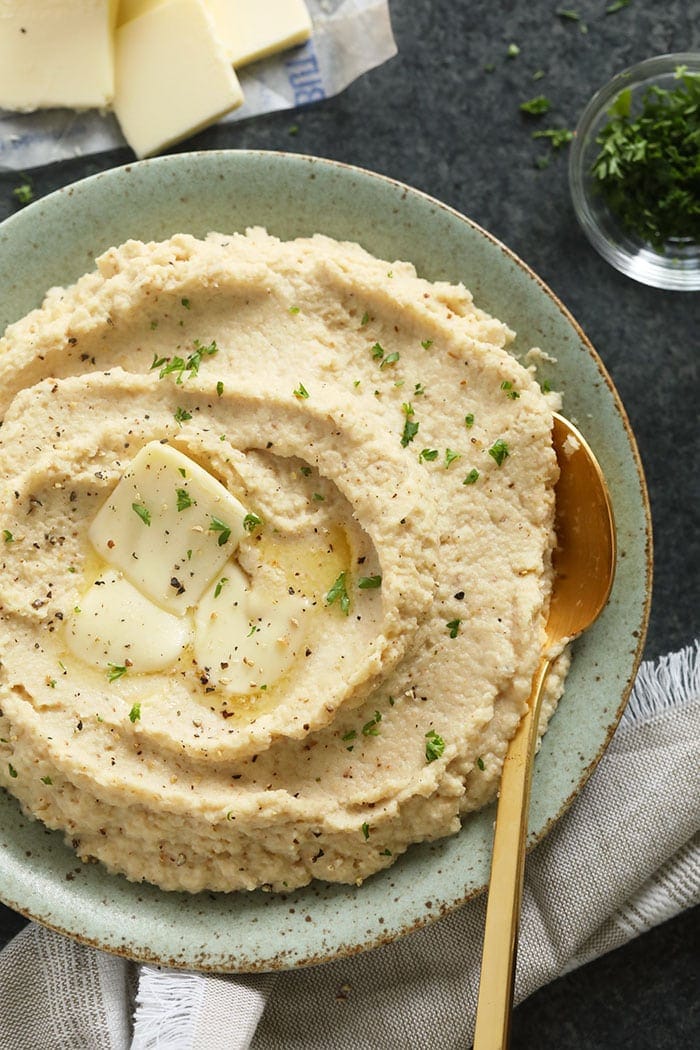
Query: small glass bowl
{"points": [[678, 265]]}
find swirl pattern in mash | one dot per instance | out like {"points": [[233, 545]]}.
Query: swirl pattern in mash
{"points": [[312, 650]]}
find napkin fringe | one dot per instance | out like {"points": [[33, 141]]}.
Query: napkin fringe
{"points": [[168, 1005], [672, 680]]}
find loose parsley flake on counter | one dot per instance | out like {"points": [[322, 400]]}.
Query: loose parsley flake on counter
{"points": [[338, 593], [558, 137], [135, 713], [301, 392], [453, 627], [23, 193], [222, 528], [143, 512], [537, 105], [434, 746], [115, 671], [471, 477], [499, 451], [369, 583], [410, 427]]}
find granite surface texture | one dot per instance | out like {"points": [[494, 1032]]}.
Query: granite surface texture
{"points": [[444, 117]]}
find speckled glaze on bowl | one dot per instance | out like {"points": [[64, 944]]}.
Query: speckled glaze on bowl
{"points": [[53, 242]]}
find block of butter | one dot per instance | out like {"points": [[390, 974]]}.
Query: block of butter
{"points": [[173, 75], [56, 54], [251, 29]]}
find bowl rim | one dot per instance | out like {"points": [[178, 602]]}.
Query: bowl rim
{"points": [[285, 961]]}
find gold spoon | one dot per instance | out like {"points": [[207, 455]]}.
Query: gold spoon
{"points": [[584, 568]]}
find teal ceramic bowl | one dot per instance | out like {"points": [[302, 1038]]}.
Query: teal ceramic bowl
{"points": [[53, 242]]}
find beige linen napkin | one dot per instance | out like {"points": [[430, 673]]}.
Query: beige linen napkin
{"points": [[625, 857]]}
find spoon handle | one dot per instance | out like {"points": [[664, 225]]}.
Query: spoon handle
{"points": [[493, 1012]]}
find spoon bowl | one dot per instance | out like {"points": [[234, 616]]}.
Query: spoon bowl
{"points": [[584, 568]]}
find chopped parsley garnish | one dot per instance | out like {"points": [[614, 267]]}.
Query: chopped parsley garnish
{"points": [[369, 583], [377, 351], [426, 343], [365, 829], [46, 780], [451, 456], [135, 713], [253, 628], [115, 671], [469, 420], [418, 390], [558, 137], [318, 497], [350, 735], [143, 512], [219, 388], [545, 386], [294, 310], [410, 427], [537, 105], [371, 728], [364, 320], [499, 451], [24, 193], [222, 528], [338, 593], [220, 586], [390, 359], [301, 392], [648, 169], [7, 536], [429, 454], [251, 522], [480, 763], [182, 415], [178, 366], [13, 772], [507, 388], [471, 477], [434, 746], [185, 303], [305, 471], [453, 627]]}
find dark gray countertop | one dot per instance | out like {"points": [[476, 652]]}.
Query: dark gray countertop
{"points": [[444, 116]]}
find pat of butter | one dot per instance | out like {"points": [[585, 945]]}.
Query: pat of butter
{"points": [[169, 526], [173, 75], [251, 29], [115, 624], [245, 639], [56, 54]]}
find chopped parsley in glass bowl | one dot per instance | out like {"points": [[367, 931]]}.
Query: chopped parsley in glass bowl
{"points": [[634, 171]]}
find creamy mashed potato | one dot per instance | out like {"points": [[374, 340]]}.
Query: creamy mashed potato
{"points": [[277, 525]]}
